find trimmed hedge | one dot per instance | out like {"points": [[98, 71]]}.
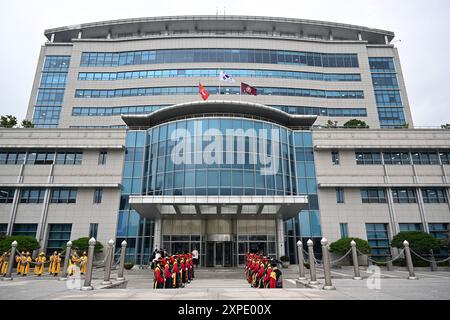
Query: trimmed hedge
{"points": [[82, 244], [24, 243], [343, 245], [420, 242]]}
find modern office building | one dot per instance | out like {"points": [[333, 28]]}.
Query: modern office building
{"points": [[125, 148]]}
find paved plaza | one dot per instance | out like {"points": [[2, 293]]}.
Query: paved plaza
{"points": [[229, 284]]}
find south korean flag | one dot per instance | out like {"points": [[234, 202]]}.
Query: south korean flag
{"points": [[226, 77]]}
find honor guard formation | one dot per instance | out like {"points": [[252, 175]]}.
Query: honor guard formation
{"points": [[262, 272], [172, 271], [24, 262]]}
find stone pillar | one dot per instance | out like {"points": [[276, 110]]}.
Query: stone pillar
{"points": [[326, 265], [108, 262], [312, 263], [120, 276], [80, 34], [355, 261], [52, 38], [433, 264], [360, 36], [409, 262], [66, 261], [386, 39], [87, 281], [157, 234], [8, 276], [280, 238], [301, 261]]}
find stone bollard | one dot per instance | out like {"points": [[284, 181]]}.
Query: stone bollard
{"points": [[312, 263], [120, 276], [355, 261], [66, 261], [409, 262], [326, 265], [87, 281], [301, 261], [433, 264], [108, 262], [389, 265], [8, 276]]}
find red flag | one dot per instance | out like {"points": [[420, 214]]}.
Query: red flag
{"points": [[245, 88], [203, 92]]}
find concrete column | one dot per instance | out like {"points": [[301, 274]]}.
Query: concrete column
{"points": [[87, 281], [355, 261], [120, 276], [386, 39], [409, 263], [66, 261], [52, 38], [80, 34], [8, 276], [301, 261], [157, 233], [330, 36], [312, 263], [108, 262], [423, 214], [13, 213], [280, 238], [360, 36], [326, 265]]}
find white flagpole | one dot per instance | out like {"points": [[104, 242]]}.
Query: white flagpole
{"points": [[220, 80]]}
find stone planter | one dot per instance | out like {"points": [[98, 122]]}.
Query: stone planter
{"points": [[285, 264]]}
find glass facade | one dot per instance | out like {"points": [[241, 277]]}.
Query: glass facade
{"points": [[25, 229], [127, 58], [378, 238], [387, 93], [58, 235], [265, 91]]}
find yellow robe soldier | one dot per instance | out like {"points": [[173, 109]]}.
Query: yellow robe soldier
{"points": [[52, 264], [40, 264], [57, 266], [83, 263], [2, 257], [72, 265], [5, 263], [25, 264], [19, 262]]}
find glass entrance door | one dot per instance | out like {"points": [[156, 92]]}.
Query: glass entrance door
{"points": [[219, 254]]}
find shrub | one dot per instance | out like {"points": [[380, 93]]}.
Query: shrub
{"points": [[24, 243], [285, 259], [82, 244], [355, 123], [343, 245], [128, 265], [420, 242]]}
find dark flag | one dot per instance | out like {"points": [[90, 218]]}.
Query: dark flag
{"points": [[246, 89]]}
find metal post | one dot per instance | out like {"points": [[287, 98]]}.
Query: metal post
{"points": [[88, 279], [389, 266], [120, 276], [433, 264], [8, 276], [108, 261], [326, 265], [301, 261], [312, 263], [66, 261], [409, 262], [355, 261]]}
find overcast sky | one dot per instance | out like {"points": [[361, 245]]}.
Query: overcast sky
{"points": [[422, 26]]}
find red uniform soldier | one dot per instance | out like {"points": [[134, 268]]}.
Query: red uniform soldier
{"points": [[158, 281]]}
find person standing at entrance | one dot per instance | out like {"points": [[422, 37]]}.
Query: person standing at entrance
{"points": [[195, 257]]}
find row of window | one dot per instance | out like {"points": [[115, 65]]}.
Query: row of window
{"points": [[244, 73], [57, 63], [156, 91], [46, 117], [399, 195], [383, 65], [402, 158], [37, 195], [110, 59], [47, 157]]}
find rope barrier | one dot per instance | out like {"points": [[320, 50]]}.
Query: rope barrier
{"points": [[387, 261], [431, 261], [341, 258]]}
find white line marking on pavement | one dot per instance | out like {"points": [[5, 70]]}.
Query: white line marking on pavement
{"points": [[291, 281], [425, 275]]}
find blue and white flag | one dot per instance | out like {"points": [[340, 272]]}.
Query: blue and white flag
{"points": [[226, 77]]}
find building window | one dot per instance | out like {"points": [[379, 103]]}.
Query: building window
{"points": [[377, 236], [93, 230], [64, 195], [32, 195], [98, 193], [58, 235], [3, 229], [7, 195], [9, 157], [439, 230], [373, 195], [405, 227], [344, 230], [103, 155], [340, 195], [435, 195], [368, 158], [24, 229], [68, 158], [396, 158], [335, 158], [425, 158], [41, 158], [404, 195], [445, 157]]}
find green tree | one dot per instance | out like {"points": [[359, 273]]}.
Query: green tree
{"points": [[82, 244], [8, 121], [27, 124], [331, 124], [420, 242], [355, 123], [24, 243], [343, 245]]}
